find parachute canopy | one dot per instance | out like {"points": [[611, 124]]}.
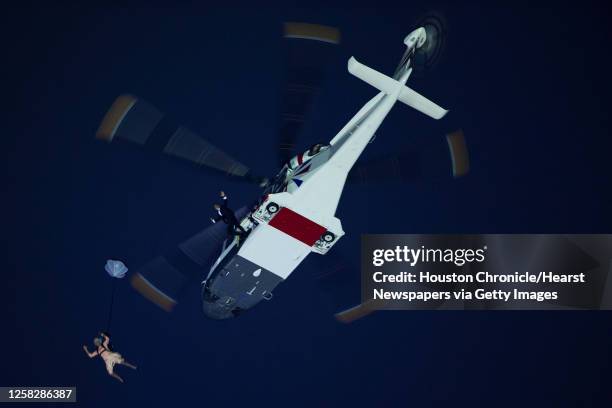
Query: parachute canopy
{"points": [[116, 269]]}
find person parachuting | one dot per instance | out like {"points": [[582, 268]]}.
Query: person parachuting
{"points": [[117, 270]]}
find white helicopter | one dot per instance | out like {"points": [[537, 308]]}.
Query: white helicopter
{"points": [[296, 214]]}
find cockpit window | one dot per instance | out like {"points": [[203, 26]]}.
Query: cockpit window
{"points": [[317, 148]]}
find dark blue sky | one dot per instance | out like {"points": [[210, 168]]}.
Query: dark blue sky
{"points": [[528, 85]]}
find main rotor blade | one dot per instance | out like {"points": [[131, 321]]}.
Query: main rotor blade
{"points": [[308, 48], [430, 163], [163, 279], [368, 306], [134, 120], [402, 166], [459, 153]]}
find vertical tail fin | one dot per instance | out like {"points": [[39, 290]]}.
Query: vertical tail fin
{"points": [[413, 41]]}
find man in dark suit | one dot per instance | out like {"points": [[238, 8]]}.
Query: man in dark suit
{"points": [[225, 214]]}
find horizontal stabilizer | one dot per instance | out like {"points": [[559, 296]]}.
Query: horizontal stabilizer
{"points": [[421, 103], [370, 76], [393, 87]]}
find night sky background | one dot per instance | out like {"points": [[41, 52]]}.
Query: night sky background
{"points": [[529, 85]]}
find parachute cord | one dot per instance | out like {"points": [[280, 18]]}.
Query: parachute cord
{"points": [[110, 310]]}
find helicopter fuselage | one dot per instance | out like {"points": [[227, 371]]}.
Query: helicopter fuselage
{"points": [[295, 217]]}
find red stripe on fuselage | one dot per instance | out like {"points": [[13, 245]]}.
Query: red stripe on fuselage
{"points": [[297, 226]]}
